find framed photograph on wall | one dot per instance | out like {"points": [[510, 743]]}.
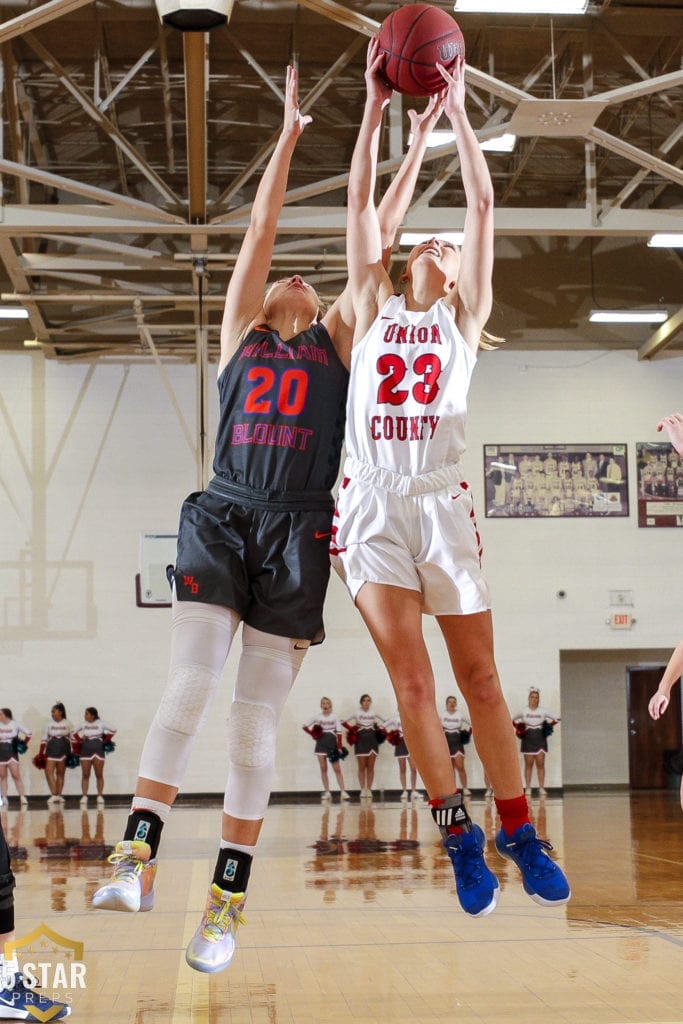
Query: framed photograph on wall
{"points": [[528, 481], [660, 484]]}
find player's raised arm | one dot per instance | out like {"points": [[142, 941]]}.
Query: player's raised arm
{"points": [[244, 299], [367, 276], [474, 295]]}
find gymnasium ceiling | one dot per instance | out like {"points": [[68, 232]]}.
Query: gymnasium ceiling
{"points": [[131, 153]]}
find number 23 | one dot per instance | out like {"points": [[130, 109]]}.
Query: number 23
{"points": [[393, 369]]}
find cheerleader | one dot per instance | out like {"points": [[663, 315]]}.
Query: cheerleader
{"points": [[55, 748], [457, 730], [394, 732], [90, 742], [13, 740], [365, 735], [533, 725], [326, 730]]}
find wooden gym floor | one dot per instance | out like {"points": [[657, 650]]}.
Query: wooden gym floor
{"points": [[352, 917]]}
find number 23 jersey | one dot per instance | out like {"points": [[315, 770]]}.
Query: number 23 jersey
{"points": [[410, 376]]}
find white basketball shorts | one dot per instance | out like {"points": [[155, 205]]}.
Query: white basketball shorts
{"points": [[414, 532]]}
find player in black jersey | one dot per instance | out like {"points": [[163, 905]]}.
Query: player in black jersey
{"points": [[253, 546]]}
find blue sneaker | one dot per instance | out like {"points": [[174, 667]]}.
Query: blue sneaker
{"points": [[18, 1002], [543, 879], [476, 886]]}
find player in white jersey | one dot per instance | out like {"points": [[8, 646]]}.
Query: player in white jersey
{"points": [[457, 730], [91, 740], [13, 740], [326, 730], [406, 539], [533, 726]]}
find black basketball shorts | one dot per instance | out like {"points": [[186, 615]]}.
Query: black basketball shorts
{"points": [[258, 553]]}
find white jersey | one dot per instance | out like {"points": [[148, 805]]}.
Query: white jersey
{"points": [[366, 719], [533, 718], [57, 730], [328, 723], [407, 403], [454, 722], [95, 730], [10, 730]]}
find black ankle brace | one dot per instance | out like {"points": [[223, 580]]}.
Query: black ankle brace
{"points": [[145, 827], [448, 812], [232, 870]]}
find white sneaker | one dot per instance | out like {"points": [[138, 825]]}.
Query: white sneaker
{"points": [[416, 797], [404, 794], [100, 801], [542, 792], [344, 795], [325, 796], [84, 801], [213, 944], [132, 885], [467, 792], [489, 792], [527, 791], [23, 801]]}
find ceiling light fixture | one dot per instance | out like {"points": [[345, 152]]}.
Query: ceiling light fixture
{"points": [[628, 316], [520, 6], [13, 313], [504, 143], [410, 238], [662, 240]]}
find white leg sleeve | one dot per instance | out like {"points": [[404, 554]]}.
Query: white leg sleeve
{"points": [[200, 641], [267, 670]]}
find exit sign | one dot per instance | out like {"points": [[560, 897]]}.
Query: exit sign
{"points": [[621, 620]]}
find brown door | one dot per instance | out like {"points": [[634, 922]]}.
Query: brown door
{"points": [[648, 740]]}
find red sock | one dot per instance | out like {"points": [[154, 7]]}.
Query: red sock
{"points": [[513, 813]]}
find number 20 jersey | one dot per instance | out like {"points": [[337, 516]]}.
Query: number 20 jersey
{"points": [[410, 376], [282, 409]]}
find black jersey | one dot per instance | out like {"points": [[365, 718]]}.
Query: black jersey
{"points": [[283, 408]]}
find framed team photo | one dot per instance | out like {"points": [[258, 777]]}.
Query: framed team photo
{"points": [[660, 484], [530, 481]]}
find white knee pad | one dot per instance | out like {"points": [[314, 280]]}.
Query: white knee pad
{"points": [[201, 639], [268, 667]]}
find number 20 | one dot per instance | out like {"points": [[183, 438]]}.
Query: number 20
{"points": [[291, 392]]}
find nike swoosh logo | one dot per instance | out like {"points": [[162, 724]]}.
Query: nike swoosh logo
{"points": [[319, 536]]}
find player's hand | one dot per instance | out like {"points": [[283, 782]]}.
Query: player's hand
{"points": [[454, 102], [378, 90], [294, 121], [673, 425], [421, 124], [659, 702]]}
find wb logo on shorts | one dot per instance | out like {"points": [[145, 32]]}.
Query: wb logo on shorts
{"points": [[230, 871], [142, 830]]}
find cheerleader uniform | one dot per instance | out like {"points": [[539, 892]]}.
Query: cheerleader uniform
{"points": [[453, 725], [331, 727], [9, 732], [394, 725], [534, 740], [92, 743], [56, 740], [366, 723]]}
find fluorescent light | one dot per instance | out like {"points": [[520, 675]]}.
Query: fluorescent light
{"points": [[667, 241], [13, 313], [628, 316], [520, 6], [504, 143], [411, 238]]}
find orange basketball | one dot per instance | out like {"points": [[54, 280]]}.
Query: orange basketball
{"points": [[415, 38]]}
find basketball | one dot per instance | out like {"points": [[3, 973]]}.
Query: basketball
{"points": [[415, 38]]}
